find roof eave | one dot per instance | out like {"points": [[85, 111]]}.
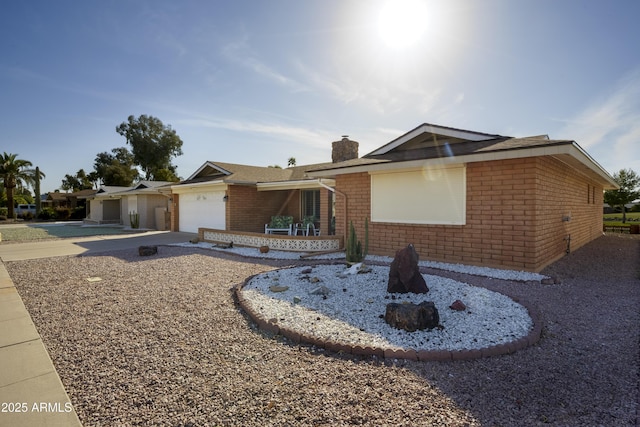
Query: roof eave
{"points": [[571, 149], [302, 184]]}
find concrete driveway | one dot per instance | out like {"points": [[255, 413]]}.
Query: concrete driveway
{"points": [[87, 245]]}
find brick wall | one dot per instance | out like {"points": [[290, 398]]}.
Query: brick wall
{"points": [[249, 209], [174, 209], [325, 211], [513, 220], [566, 193]]}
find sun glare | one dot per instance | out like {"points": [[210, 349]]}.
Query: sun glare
{"points": [[401, 23]]}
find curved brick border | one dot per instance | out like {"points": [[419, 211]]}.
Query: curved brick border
{"points": [[270, 325]]}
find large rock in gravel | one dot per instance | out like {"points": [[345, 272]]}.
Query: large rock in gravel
{"points": [[412, 317], [404, 274]]}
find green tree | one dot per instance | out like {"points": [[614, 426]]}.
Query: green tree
{"points": [[116, 169], [629, 183], [291, 162], [15, 173], [166, 175], [152, 143], [36, 190], [77, 182]]}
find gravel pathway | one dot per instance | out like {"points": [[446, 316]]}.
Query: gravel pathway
{"points": [[160, 341]]}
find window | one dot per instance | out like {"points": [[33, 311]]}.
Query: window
{"points": [[434, 195], [311, 203], [591, 194]]}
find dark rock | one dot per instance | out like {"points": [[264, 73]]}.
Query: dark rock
{"points": [[404, 274], [306, 271], [264, 249], [412, 317], [458, 306], [147, 250]]}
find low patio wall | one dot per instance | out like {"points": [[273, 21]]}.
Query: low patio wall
{"points": [[274, 241]]}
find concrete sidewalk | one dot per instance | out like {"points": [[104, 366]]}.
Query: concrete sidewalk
{"points": [[31, 393]]}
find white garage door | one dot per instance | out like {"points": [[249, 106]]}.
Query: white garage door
{"points": [[204, 209]]}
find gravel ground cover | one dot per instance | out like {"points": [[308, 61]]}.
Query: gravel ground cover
{"points": [[160, 341], [330, 304]]}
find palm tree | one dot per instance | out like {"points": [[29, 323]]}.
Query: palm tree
{"points": [[14, 173]]}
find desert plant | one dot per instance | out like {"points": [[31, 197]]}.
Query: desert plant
{"points": [[354, 250], [134, 219]]}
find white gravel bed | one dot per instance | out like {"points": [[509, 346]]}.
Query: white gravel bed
{"points": [[496, 273], [332, 305]]}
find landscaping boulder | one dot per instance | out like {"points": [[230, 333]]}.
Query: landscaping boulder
{"points": [[412, 317], [147, 250], [404, 273], [458, 306]]}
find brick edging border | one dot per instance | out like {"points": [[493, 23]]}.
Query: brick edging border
{"points": [[395, 353]]}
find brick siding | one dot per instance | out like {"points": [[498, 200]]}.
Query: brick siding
{"points": [[513, 220]]}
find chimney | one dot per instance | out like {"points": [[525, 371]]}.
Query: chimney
{"points": [[344, 149]]}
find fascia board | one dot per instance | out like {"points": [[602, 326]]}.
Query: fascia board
{"points": [[294, 185], [185, 188], [573, 150]]}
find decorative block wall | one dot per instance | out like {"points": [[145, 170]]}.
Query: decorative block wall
{"points": [[276, 242]]}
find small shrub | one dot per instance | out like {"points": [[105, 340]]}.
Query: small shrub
{"points": [[27, 216], [47, 214], [4, 212], [63, 214], [78, 213]]}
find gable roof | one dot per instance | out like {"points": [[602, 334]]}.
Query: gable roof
{"points": [[427, 134], [141, 187], [440, 145], [57, 196], [233, 173]]}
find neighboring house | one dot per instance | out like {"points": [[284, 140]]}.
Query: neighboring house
{"points": [[235, 197], [469, 197], [113, 205], [67, 200]]}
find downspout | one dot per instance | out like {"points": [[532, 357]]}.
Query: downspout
{"points": [[333, 190]]}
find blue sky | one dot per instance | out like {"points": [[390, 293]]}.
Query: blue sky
{"points": [[258, 82]]}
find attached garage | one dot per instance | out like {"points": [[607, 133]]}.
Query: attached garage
{"points": [[201, 207]]}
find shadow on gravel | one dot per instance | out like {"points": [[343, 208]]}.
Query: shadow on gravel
{"points": [[584, 370]]}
